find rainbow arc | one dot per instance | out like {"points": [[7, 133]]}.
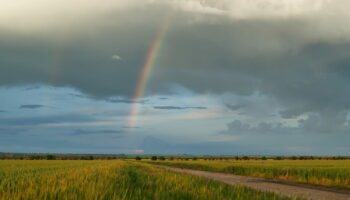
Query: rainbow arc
{"points": [[146, 71]]}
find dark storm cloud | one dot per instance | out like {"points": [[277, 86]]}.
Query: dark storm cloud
{"points": [[31, 106], [299, 61], [1, 111], [177, 108]]}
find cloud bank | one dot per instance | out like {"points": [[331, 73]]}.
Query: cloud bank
{"points": [[294, 54]]}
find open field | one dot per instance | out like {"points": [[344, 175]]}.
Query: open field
{"points": [[284, 188], [114, 179], [331, 173]]}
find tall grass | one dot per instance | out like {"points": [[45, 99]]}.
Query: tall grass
{"points": [[332, 173], [147, 182], [103, 180]]}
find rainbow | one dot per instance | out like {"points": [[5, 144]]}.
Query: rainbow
{"points": [[146, 72]]}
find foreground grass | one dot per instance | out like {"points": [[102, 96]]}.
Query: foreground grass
{"points": [[110, 180], [331, 173]]}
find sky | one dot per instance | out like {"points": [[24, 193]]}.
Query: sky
{"points": [[253, 77]]}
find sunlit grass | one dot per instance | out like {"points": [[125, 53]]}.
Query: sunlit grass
{"points": [[110, 180], [333, 173]]}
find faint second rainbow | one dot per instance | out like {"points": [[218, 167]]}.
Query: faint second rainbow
{"points": [[146, 72]]}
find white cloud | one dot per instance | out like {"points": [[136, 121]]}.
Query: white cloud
{"points": [[274, 8], [138, 151], [247, 9], [196, 6], [36, 15], [116, 57]]}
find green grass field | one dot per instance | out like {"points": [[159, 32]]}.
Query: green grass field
{"points": [[114, 179], [332, 173]]}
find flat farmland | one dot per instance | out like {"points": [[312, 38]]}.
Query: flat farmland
{"points": [[112, 179], [329, 173]]}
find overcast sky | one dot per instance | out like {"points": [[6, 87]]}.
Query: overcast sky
{"points": [[229, 77]]}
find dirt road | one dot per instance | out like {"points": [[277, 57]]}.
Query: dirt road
{"points": [[282, 188]]}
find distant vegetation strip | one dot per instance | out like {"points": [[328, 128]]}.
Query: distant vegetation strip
{"points": [[112, 179], [48, 156], [331, 173]]}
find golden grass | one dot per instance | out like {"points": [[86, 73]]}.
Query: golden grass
{"points": [[110, 180], [332, 173]]}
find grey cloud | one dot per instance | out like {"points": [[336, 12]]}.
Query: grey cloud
{"points": [[97, 132], [32, 88], [238, 127], [292, 112], [78, 95], [11, 131], [322, 122], [261, 145], [163, 98], [234, 107], [177, 107], [127, 101], [1, 111], [330, 122], [31, 106], [300, 62], [39, 120], [44, 145]]}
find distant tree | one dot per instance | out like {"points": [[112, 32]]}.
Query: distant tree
{"points": [[245, 158], [87, 157], [194, 158], [138, 158], [161, 158], [278, 158], [35, 157], [263, 158], [154, 158], [51, 157]]}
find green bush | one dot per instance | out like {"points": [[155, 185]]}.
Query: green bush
{"points": [[154, 158], [138, 158]]}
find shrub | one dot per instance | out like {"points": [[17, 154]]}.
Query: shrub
{"points": [[154, 158], [51, 157], [138, 158]]}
